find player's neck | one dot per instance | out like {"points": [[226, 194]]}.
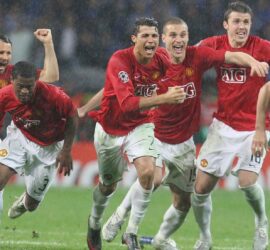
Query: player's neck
{"points": [[141, 59], [235, 44], [178, 59]]}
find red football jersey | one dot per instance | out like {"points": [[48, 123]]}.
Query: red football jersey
{"points": [[176, 123], [126, 81], [6, 77], [44, 120], [237, 90]]}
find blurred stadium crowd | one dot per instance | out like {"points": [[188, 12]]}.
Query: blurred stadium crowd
{"points": [[87, 32]]}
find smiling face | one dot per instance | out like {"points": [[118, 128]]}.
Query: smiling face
{"points": [[175, 37], [5, 55], [24, 88], [145, 42], [238, 28]]}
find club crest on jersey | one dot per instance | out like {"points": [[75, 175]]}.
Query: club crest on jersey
{"points": [[155, 75], [233, 75], [189, 72], [3, 83], [204, 163], [3, 152], [123, 76]]}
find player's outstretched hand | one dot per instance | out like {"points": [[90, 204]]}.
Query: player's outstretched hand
{"points": [[259, 68], [175, 95], [259, 143], [43, 35], [64, 162]]}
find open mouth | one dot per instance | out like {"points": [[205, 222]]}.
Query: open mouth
{"points": [[241, 34], [3, 66], [150, 49], [179, 48], [24, 98]]}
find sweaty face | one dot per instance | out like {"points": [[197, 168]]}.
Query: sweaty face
{"points": [[176, 38], [24, 88], [5, 55], [146, 43], [238, 28]]}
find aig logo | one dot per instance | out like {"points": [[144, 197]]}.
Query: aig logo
{"points": [[190, 90], [145, 89], [234, 75]]}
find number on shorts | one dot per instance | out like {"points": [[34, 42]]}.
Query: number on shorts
{"points": [[45, 183], [256, 159]]}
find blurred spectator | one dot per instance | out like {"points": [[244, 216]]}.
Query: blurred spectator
{"points": [[22, 42], [68, 42]]}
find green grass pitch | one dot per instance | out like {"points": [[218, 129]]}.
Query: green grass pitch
{"points": [[60, 221]]}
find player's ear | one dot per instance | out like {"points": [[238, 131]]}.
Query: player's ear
{"points": [[225, 25], [163, 37], [133, 38]]}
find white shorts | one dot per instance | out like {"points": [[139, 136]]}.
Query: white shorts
{"points": [[114, 152], [35, 162], [222, 146], [180, 165]]}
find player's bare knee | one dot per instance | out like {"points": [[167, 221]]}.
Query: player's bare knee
{"points": [[247, 178], [181, 199], [148, 172], [108, 189], [183, 205], [146, 178], [202, 189], [246, 184]]}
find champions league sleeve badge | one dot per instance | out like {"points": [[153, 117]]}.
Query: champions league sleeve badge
{"points": [[123, 76]]}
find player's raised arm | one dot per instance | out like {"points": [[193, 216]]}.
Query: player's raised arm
{"points": [[93, 103], [50, 71], [64, 158], [260, 142], [240, 58]]}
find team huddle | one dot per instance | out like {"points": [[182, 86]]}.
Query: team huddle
{"points": [[149, 110]]}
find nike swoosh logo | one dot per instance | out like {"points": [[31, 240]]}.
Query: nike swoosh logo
{"points": [[164, 79]]}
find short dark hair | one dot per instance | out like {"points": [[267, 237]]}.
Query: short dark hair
{"points": [[144, 21], [5, 39], [24, 69], [237, 6], [173, 20]]}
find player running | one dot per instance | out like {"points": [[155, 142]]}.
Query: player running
{"points": [[124, 128], [49, 73], [231, 132], [176, 124], [39, 138]]}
